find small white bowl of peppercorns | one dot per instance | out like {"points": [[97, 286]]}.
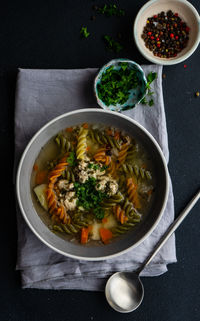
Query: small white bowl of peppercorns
{"points": [[167, 32]]}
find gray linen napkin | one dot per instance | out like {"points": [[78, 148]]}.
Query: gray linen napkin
{"points": [[40, 96]]}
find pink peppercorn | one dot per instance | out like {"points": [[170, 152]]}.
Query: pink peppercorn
{"points": [[157, 39], [152, 37], [176, 14], [171, 35], [176, 37], [149, 33]]}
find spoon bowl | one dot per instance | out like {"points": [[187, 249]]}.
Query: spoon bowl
{"points": [[124, 291]]}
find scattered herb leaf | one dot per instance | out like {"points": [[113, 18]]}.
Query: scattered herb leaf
{"points": [[151, 102], [111, 44], [110, 10], [84, 32], [150, 78]]}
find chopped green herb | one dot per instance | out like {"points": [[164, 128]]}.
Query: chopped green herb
{"points": [[110, 10], [151, 102], [103, 168], [99, 213], [112, 45], [93, 166], [84, 33], [116, 83], [88, 197], [71, 159]]}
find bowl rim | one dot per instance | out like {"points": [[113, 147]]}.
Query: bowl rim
{"points": [[101, 70], [38, 234], [161, 61]]}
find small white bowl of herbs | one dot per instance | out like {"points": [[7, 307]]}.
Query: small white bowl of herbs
{"points": [[121, 84]]}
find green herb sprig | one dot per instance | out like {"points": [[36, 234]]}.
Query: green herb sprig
{"points": [[150, 78]]}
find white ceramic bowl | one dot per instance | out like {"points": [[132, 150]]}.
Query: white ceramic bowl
{"points": [[186, 12], [28, 204]]}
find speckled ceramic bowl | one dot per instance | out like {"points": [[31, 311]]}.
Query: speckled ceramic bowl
{"points": [[136, 94], [29, 209], [186, 12]]}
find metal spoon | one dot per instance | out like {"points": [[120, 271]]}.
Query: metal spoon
{"points": [[124, 290]]}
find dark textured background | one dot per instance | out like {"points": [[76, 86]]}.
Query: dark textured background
{"points": [[45, 34]]}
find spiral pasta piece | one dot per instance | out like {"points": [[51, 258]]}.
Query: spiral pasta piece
{"points": [[119, 230], [136, 170], [131, 189], [112, 168], [101, 139], [64, 144], [122, 154], [55, 209], [120, 214], [101, 156], [130, 211], [81, 144], [69, 175], [112, 201], [131, 153], [132, 192]]}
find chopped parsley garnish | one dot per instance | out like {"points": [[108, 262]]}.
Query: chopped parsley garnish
{"points": [[103, 168], [115, 84], [110, 10], [89, 198], [84, 32], [71, 159], [112, 45], [151, 102], [93, 166], [150, 78], [99, 213]]}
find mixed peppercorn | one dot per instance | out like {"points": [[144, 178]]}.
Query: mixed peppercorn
{"points": [[165, 34]]}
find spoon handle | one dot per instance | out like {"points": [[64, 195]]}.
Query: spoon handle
{"points": [[172, 228]]}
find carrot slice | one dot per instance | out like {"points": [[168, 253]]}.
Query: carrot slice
{"points": [[69, 129], [84, 235], [88, 148], [104, 220], [40, 177], [109, 132], [85, 125], [35, 167], [105, 234], [117, 135]]}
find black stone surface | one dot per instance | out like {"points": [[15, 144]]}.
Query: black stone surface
{"points": [[45, 34]]}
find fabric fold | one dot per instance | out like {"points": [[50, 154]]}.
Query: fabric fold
{"points": [[42, 95]]}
